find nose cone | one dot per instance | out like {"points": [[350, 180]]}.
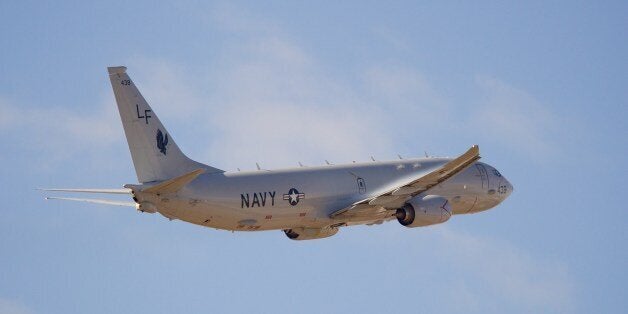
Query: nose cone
{"points": [[506, 188]]}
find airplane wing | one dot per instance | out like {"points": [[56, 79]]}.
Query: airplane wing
{"points": [[105, 191], [92, 200], [376, 207]]}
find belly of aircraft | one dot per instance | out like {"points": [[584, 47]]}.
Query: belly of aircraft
{"points": [[228, 218]]}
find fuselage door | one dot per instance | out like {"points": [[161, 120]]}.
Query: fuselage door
{"points": [[361, 185]]}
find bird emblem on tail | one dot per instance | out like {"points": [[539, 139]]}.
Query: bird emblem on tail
{"points": [[162, 141]]}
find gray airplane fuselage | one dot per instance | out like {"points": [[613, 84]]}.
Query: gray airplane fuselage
{"points": [[262, 200]]}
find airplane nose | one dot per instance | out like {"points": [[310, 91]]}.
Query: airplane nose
{"points": [[509, 187]]}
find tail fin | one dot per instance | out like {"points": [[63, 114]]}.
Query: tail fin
{"points": [[156, 156]]}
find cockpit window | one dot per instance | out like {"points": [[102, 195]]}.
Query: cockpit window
{"points": [[496, 173]]}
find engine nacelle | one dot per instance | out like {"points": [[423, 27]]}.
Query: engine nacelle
{"points": [[424, 211], [310, 233]]}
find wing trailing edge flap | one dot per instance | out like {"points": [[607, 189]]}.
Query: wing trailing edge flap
{"points": [[398, 195], [361, 212], [174, 184]]}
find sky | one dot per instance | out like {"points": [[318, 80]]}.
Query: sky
{"points": [[540, 86]]}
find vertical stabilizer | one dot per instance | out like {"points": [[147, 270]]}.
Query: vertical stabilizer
{"points": [[156, 156]]}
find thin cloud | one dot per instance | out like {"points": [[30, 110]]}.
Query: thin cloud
{"points": [[280, 103], [8, 306], [166, 87], [231, 18], [276, 107], [511, 117], [482, 273], [7, 115], [269, 96], [58, 133], [509, 273], [273, 102], [279, 99], [408, 98]]}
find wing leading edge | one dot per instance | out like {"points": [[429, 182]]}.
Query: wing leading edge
{"points": [[394, 198]]}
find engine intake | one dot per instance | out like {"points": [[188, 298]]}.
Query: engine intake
{"points": [[424, 211]]}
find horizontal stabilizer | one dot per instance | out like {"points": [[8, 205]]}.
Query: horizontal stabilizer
{"points": [[97, 201], [175, 184], [104, 191]]}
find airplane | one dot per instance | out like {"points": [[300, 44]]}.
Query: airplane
{"points": [[304, 202]]}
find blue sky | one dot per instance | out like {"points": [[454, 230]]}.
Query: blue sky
{"points": [[541, 87]]}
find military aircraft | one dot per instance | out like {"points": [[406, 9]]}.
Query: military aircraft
{"points": [[304, 202]]}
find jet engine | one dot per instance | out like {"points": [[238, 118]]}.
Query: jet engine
{"points": [[424, 211], [310, 233]]}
